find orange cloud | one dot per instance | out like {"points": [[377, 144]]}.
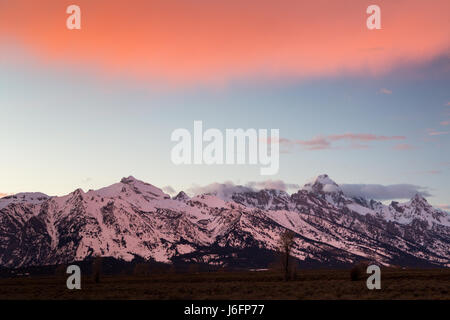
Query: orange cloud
{"points": [[216, 41]]}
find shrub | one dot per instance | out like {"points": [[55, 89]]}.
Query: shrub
{"points": [[358, 271], [141, 269], [97, 268]]}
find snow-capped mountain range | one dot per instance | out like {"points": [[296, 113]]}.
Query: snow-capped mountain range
{"points": [[133, 219]]}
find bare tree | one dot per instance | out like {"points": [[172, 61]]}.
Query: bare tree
{"points": [[96, 268], [286, 242]]}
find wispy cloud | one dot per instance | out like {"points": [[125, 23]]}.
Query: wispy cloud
{"points": [[445, 123], [403, 147], [432, 132], [384, 192], [223, 190], [226, 189], [445, 207], [369, 191], [357, 146], [385, 91], [431, 171], [363, 137], [169, 190], [316, 143], [272, 184], [326, 142]]}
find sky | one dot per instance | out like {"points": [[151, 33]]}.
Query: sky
{"points": [[84, 108]]}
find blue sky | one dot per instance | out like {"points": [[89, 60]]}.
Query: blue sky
{"points": [[66, 128], [84, 108]]}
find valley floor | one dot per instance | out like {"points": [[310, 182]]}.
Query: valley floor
{"points": [[264, 285]]}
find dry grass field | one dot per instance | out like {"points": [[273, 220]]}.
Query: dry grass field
{"points": [[266, 285]]}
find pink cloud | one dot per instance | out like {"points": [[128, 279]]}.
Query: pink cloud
{"points": [[403, 146], [445, 123], [433, 171], [432, 132], [385, 91], [359, 146], [317, 143], [363, 137], [325, 142], [443, 206]]}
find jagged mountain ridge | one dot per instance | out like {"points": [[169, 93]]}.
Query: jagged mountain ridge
{"points": [[132, 218]]}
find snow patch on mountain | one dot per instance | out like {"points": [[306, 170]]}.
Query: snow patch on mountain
{"points": [[133, 218], [23, 197], [322, 183]]}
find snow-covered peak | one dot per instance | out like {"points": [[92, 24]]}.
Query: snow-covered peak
{"points": [[417, 203], [267, 199], [129, 179], [210, 200], [417, 208], [23, 197], [276, 193], [77, 192], [131, 185], [181, 196], [132, 219], [418, 199], [322, 183], [324, 179]]}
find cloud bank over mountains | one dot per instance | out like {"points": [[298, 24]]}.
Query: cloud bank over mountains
{"points": [[369, 191], [382, 192]]}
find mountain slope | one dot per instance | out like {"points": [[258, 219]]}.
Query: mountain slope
{"points": [[134, 219]]}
